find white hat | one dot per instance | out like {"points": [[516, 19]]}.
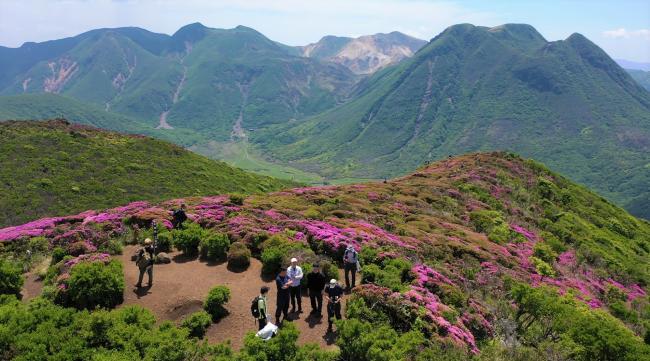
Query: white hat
{"points": [[332, 281], [294, 260]]}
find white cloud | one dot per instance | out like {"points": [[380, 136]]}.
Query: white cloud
{"points": [[622, 33]]}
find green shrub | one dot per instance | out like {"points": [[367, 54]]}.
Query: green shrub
{"points": [[544, 252], [214, 246], [57, 255], [236, 199], [38, 244], [187, 240], [395, 274], [197, 323], [239, 256], [165, 241], [112, 247], [11, 278], [276, 251], [94, 284], [543, 269], [214, 303]]}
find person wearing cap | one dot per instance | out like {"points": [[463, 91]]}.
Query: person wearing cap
{"points": [[262, 307], [350, 261], [316, 283], [283, 282], [295, 274], [144, 261], [334, 293]]}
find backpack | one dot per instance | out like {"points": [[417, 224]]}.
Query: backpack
{"points": [[255, 311], [354, 254], [145, 259]]}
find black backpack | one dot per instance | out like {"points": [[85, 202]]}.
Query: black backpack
{"points": [[255, 311]]}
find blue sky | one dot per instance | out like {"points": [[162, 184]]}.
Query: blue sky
{"points": [[620, 27]]}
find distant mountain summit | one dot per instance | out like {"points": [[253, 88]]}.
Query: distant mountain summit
{"points": [[365, 54], [477, 88]]}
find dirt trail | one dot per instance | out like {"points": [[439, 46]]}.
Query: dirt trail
{"points": [[180, 288]]}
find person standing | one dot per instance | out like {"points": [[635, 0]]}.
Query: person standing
{"points": [[144, 261], [179, 216], [316, 283], [334, 294], [295, 274], [262, 307], [283, 282], [350, 261]]}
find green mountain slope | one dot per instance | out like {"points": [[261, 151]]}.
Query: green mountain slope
{"points": [[475, 88], [641, 77], [216, 81], [478, 257], [52, 168]]}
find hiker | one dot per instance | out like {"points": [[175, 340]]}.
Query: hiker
{"points": [[334, 293], [283, 282], [144, 261], [316, 283], [350, 261], [179, 217], [295, 274], [260, 309]]}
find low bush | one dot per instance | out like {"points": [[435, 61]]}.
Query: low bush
{"points": [[187, 240], [11, 278], [197, 323], [94, 284], [214, 303], [57, 254], [165, 241], [239, 256], [236, 199], [395, 274], [214, 246], [276, 251]]}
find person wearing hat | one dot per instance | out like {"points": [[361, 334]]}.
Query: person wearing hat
{"points": [[316, 283], [144, 261], [295, 274], [283, 283], [334, 293]]}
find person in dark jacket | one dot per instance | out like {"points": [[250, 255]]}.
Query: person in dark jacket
{"points": [[179, 217], [316, 283], [144, 261], [334, 294], [283, 283]]}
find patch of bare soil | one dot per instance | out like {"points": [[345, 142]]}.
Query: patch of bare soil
{"points": [[180, 287]]}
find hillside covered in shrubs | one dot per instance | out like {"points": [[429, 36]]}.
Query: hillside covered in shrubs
{"points": [[483, 256], [54, 168]]}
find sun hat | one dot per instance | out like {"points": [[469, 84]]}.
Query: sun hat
{"points": [[294, 260], [148, 241], [332, 281]]}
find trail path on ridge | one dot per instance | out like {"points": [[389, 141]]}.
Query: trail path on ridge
{"points": [[180, 287]]}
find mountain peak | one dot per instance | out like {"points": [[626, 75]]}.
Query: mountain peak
{"points": [[191, 32]]}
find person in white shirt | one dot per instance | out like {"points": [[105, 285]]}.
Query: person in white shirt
{"points": [[295, 274]]}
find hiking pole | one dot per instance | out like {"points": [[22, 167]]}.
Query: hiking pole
{"points": [[155, 244]]}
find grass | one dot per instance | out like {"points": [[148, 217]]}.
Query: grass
{"points": [[53, 168]]}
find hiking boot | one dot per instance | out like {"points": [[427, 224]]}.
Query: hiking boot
{"points": [[300, 310], [138, 285]]}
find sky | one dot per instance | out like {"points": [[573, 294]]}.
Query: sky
{"points": [[621, 27]]}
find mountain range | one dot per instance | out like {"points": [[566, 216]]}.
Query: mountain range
{"points": [[345, 108]]}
